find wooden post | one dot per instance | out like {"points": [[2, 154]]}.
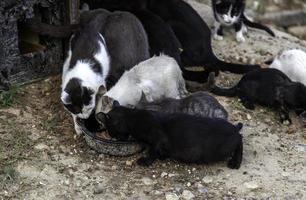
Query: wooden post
{"points": [[73, 11]]}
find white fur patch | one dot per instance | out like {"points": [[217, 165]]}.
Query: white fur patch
{"points": [[239, 36], [158, 77], [90, 79], [293, 64]]}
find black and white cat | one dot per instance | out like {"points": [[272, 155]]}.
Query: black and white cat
{"points": [[84, 71], [231, 13], [94, 61], [188, 27]]}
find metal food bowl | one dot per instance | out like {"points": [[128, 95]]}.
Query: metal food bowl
{"points": [[108, 146]]}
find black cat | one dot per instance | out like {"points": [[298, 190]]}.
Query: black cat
{"points": [[231, 13], [267, 87], [182, 137], [190, 29], [199, 104]]}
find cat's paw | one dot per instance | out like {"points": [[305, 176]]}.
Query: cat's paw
{"points": [[145, 161], [240, 38], [287, 122], [218, 37]]}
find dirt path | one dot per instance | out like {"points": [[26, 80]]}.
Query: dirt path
{"points": [[40, 157]]}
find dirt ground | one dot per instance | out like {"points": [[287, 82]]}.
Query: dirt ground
{"points": [[41, 157]]}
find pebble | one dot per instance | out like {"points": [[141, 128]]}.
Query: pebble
{"points": [[99, 189], [201, 188], [129, 163], [163, 174], [249, 117], [188, 184], [147, 181], [251, 185], [207, 180], [171, 196], [187, 195]]}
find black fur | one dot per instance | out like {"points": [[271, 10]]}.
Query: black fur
{"points": [[125, 38], [199, 104], [192, 32], [126, 43], [182, 137], [238, 7], [267, 87], [79, 96]]}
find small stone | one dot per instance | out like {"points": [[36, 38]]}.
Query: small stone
{"points": [[207, 180], [187, 195], [249, 117], [129, 163], [251, 185], [114, 167], [41, 146], [287, 122], [201, 188], [147, 181], [99, 189], [171, 196], [188, 184], [171, 175], [163, 174]]}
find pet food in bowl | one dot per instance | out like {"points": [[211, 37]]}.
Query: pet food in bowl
{"points": [[99, 140]]}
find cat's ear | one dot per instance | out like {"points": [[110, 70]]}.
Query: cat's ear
{"points": [[85, 7], [116, 104], [143, 98], [102, 90], [102, 117], [65, 98]]}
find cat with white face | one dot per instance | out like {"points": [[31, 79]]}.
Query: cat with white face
{"points": [[84, 72], [231, 13], [107, 45], [292, 63]]}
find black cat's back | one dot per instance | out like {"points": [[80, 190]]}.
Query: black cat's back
{"points": [[200, 140]]}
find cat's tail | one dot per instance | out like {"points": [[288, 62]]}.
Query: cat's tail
{"points": [[257, 25], [213, 88], [233, 67]]}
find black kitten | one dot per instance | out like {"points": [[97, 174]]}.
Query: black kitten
{"points": [[190, 29], [199, 104], [267, 87], [182, 137], [231, 13]]}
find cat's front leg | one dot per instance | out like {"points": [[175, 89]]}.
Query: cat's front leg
{"points": [[218, 31], [77, 127], [239, 32], [284, 115]]}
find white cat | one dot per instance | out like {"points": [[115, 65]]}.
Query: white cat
{"points": [[158, 77], [292, 63]]}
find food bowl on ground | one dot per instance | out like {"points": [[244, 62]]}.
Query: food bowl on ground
{"points": [[98, 139]]}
